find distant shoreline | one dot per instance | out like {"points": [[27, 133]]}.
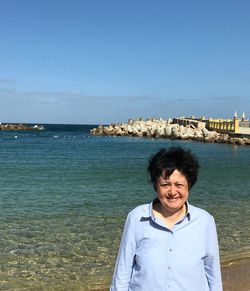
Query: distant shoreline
{"points": [[20, 127]]}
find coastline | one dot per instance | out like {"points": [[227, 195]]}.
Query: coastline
{"points": [[181, 129], [236, 275], [20, 127]]}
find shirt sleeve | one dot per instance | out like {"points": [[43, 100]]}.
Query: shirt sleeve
{"points": [[125, 258], [212, 260]]}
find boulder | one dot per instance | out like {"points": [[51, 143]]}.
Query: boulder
{"points": [[161, 128]]}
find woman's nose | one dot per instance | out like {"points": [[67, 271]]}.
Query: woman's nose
{"points": [[172, 190]]}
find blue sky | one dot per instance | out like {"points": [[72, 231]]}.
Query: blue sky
{"points": [[104, 61]]}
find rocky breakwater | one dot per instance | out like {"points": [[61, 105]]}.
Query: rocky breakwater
{"points": [[160, 128], [20, 127]]}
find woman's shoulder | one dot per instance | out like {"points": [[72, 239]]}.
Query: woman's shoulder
{"points": [[197, 212], [141, 210]]}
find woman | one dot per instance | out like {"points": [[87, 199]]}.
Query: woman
{"points": [[169, 244]]}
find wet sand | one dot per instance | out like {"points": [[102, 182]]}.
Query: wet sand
{"points": [[236, 276]]}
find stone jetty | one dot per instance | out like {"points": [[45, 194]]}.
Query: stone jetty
{"points": [[20, 127], [160, 128]]}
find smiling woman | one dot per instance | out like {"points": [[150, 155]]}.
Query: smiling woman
{"points": [[163, 234], [172, 194]]}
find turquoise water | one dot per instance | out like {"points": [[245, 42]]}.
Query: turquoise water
{"points": [[65, 194]]}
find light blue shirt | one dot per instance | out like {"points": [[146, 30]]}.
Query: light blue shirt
{"points": [[153, 257]]}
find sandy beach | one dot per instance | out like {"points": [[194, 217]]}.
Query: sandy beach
{"points": [[236, 276]]}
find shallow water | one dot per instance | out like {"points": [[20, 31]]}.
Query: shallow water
{"points": [[65, 195]]}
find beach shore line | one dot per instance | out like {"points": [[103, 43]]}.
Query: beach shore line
{"points": [[236, 275]]}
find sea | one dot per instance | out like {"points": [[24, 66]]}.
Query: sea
{"points": [[64, 196]]}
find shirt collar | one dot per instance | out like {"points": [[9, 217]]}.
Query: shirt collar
{"points": [[149, 211]]}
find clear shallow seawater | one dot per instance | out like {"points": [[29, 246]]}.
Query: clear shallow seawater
{"points": [[64, 195]]}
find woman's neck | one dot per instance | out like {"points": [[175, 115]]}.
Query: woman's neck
{"points": [[170, 218]]}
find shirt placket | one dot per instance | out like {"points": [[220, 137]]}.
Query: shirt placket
{"points": [[170, 260]]}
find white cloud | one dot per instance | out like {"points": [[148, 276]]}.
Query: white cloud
{"points": [[6, 81], [77, 107]]}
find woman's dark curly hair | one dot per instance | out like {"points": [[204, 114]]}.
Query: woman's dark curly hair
{"points": [[165, 161]]}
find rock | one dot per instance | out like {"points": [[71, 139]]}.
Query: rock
{"points": [[160, 128], [21, 127], [184, 137], [168, 130], [241, 141], [247, 141], [161, 131], [175, 130]]}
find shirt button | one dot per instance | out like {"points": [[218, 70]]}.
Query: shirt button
{"points": [[169, 268], [170, 250]]}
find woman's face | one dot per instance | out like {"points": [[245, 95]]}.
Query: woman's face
{"points": [[172, 192]]}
